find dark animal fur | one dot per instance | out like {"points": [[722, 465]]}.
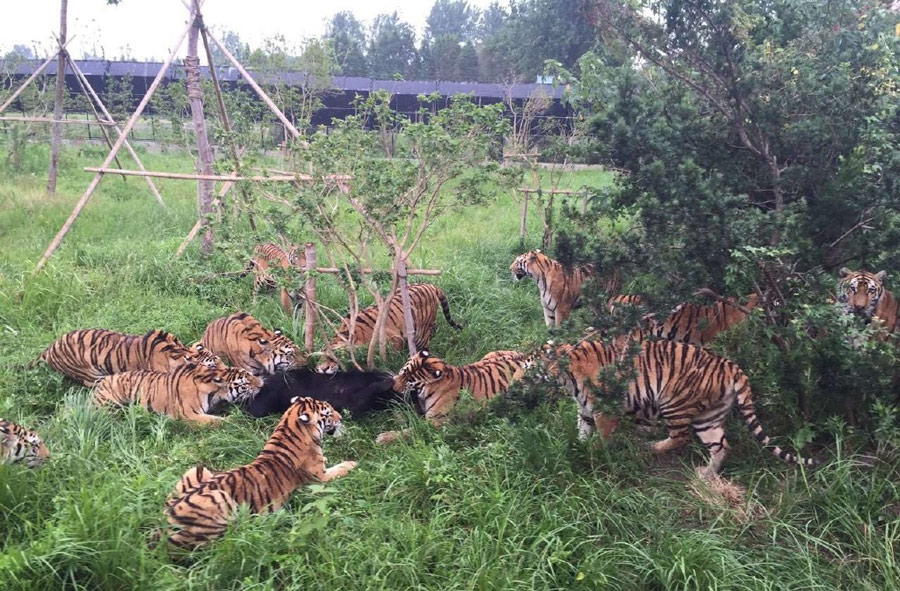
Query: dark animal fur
{"points": [[359, 392]]}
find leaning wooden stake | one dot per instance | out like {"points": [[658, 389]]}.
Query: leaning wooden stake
{"points": [[54, 244], [56, 138], [524, 216], [85, 84], [310, 290], [259, 91], [31, 78], [407, 306]]}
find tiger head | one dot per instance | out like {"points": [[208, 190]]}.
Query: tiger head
{"points": [[297, 256], [860, 291], [529, 264], [200, 355], [18, 444], [277, 352], [428, 379], [232, 385], [304, 412]]}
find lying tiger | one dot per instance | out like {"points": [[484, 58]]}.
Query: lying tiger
{"points": [[245, 343], [204, 501], [89, 355], [560, 288], [189, 392], [424, 300], [437, 385], [268, 255], [689, 387], [863, 294], [18, 444]]}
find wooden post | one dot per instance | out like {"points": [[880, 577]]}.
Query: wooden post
{"points": [[408, 324], [54, 244], [584, 201], [204, 154], [85, 84], [259, 91], [309, 332], [524, 216], [58, 104]]}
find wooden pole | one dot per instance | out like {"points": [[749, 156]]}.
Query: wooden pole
{"points": [[259, 91], [310, 290], [198, 177], [31, 78], [524, 215], [367, 271], [223, 190], [204, 153], [50, 120], [56, 138], [96, 115], [84, 81], [54, 244], [409, 327]]}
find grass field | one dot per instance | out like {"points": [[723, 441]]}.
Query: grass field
{"points": [[501, 499]]}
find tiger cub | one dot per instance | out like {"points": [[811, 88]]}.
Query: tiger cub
{"points": [[689, 387], [188, 392], [268, 255], [204, 501], [560, 288], [18, 444], [424, 300], [89, 355], [863, 294], [437, 385], [243, 341]]}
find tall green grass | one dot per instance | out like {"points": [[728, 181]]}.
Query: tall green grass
{"points": [[504, 498]]}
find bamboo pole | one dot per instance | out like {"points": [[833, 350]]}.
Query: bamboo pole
{"points": [[96, 115], [259, 91], [54, 244], [367, 271], [80, 75], [56, 136], [310, 290], [34, 75], [198, 177], [524, 215], [408, 324], [50, 120]]}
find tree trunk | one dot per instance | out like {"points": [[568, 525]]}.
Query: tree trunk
{"points": [[204, 154], [408, 324], [778, 193], [58, 104]]}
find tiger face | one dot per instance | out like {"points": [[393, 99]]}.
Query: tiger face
{"points": [[420, 371], [277, 353], [309, 411], [237, 386], [525, 265], [860, 291], [18, 444], [200, 355]]}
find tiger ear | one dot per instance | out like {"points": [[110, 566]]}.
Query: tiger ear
{"points": [[437, 373], [263, 342], [199, 347], [425, 353], [295, 399], [844, 272], [304, 418], [880, 275], [217, 379], [537, 250], [278, 332]]}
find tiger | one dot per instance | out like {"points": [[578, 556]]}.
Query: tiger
{"points": [[189, 392], [204, 501], [560, 288], [863, 294], [89, 355], [18, 444], [424, 299], [437, 385], [243, 341], [697, 324], [267, 255], [688, 386]]}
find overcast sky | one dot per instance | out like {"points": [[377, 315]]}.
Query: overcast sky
{"points": [[147, 29]]}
